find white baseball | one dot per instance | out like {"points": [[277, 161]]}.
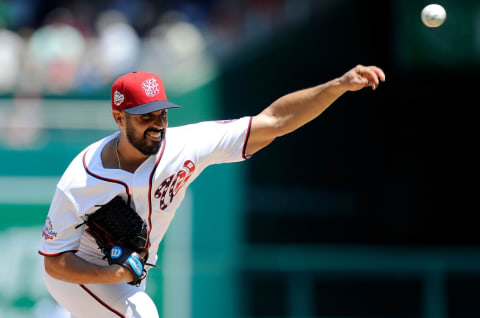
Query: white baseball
{"points": [[433, 15]]}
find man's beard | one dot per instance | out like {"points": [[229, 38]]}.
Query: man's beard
{"points": [[143, 144]]}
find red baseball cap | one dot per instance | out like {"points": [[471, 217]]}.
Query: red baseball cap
{"points": [[139, 93]]}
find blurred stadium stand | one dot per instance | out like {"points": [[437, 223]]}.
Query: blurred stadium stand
{"points": [[369, 211]]}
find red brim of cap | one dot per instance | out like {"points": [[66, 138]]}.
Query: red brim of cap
{"points": [[150, 107]]}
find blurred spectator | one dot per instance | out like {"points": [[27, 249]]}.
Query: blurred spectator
{"points": [[176, 49], [55, 50], [119, 44], [10, 59], [85, 44]]}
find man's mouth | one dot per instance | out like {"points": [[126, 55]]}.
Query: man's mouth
{"points": [[155, 134]]}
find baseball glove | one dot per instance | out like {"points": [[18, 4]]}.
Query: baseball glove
{"points": [[121, 235]]}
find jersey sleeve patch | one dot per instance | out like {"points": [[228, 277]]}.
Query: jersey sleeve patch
{"points": [[48, 233]]}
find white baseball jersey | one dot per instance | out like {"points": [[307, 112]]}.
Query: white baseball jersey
{"points": [[154, 190]]}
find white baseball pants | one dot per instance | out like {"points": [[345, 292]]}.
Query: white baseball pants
{"points": [[101, 300]]}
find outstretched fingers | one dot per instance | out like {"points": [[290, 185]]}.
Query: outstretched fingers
{"points": [[379, 72], [370, 75]]}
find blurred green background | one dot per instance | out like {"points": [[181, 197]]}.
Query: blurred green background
{"points": [[368, 211]]}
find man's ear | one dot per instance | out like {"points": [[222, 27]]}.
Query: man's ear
{"points": [[118, 117]]}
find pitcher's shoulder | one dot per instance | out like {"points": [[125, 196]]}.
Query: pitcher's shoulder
{"points": [[88, 158]]}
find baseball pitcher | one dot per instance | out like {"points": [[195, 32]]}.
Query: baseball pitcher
{"points": [[116, 199]]}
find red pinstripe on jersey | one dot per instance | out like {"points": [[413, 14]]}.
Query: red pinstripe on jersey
{"points": [[150, 190], [106, 179], [55, 254], [244, 155], [101, 302]]}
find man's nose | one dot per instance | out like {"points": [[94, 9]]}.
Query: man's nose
{"points": [[161, 122]]}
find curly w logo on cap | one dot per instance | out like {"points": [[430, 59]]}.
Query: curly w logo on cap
{"points": [[150, 87]]}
